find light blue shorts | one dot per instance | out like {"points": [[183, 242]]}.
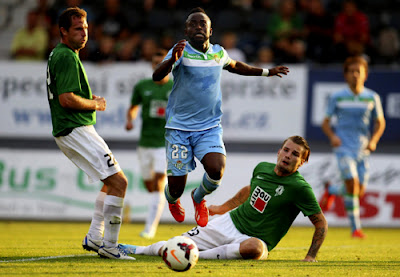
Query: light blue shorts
{"points": [[183, 146], [352, 166]]}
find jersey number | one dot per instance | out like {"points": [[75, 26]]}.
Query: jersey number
{"points": [[50, 95], [175, 152]]}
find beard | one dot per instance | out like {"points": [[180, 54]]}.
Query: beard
{"points": [[79, 45], [283, 170]]}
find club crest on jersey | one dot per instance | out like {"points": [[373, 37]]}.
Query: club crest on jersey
{"points": [[178, 165], [216, 58], [279, 190], [259, 199]]}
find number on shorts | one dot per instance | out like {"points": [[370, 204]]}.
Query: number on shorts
{"points": [[195, 231], [111, 160], [175, 152]]}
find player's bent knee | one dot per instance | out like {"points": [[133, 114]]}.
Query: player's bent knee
{"points": [[117, 184], [253, 249], [215, 172]]}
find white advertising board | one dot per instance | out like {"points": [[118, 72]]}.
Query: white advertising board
{"points": [[45, 185], [255, 108]]}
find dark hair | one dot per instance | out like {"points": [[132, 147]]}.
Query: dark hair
{"points": [[197, 10], [65, 19], [355, 60], [302, 142]]}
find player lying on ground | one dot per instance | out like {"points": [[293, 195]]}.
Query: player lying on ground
{"points": [[254, 221]]}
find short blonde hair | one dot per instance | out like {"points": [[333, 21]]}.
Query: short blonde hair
{"points": [[355, 60]]}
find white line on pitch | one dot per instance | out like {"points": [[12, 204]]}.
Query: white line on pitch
{"points": [[330, 246], [46, 258]]}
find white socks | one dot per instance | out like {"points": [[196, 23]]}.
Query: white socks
{"points": [[157, 203], [224, 252], [151, 250], [112, 219], [96, 228]]}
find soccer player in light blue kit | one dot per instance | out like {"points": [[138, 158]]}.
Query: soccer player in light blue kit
{"points": [[355, 108], [193, 127]]}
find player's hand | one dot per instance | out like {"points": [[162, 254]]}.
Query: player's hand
{"points": [[371, 146], [335, 141], [101, 103], [216, 209], [177, 52], [309, 259], [277, 71], [129, 126]]}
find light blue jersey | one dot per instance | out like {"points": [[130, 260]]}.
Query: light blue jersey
{"points": [[195, 101], [354, 115]]}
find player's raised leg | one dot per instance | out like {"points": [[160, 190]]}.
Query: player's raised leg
{"points": [[210, 150], [173, 190]]}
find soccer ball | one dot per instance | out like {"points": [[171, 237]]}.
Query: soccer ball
{"points": [[180, 253]]}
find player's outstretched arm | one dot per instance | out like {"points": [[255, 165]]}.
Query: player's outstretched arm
{"points": [[321, 228], [240, 197], [242, 68]]}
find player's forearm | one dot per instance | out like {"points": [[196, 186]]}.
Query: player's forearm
{"points": [[132, 113], [327, 129], [70, 100], [321, 229], [318, 239], [240, 197], [244, 69], [379, 128], [163, 69]]}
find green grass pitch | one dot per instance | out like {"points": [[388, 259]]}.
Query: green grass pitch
{"points": [[25, 249]]}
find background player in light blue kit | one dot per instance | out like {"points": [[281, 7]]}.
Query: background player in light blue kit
{"points": [[194, 112], [354, 107]]}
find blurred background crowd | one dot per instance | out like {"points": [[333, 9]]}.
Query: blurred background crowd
{"points": [[254, 31]]}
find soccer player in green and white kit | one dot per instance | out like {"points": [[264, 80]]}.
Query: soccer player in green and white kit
{"points": [[73, 113], [254, 221], [153, 97]]}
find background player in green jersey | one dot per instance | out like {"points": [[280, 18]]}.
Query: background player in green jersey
{"points": [[73, 112], [254, 221], [153, 97]]}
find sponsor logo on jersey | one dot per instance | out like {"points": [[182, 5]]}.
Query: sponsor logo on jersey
{"points": [[194, 56], [259, 199]]}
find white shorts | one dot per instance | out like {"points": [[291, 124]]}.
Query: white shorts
{"points": [[152, 160], [88, 151], [219, 231]]}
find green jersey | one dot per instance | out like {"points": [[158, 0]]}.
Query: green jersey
{"points": [[273, 205], [153, 98], [65, 73]]}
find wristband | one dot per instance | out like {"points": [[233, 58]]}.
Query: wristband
{"points": [[265, 72]]}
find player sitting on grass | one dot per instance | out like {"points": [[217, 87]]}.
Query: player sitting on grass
{"points": [[259, 215]]}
